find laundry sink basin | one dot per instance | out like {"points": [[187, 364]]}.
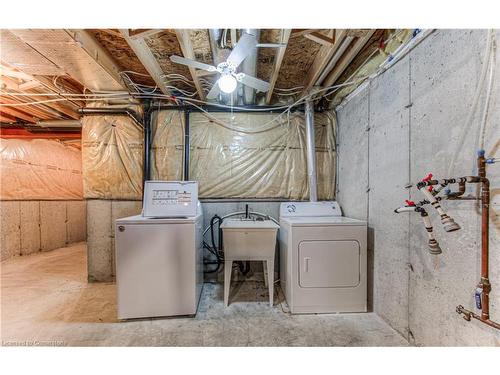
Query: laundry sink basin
{"points": [[249, 239]]}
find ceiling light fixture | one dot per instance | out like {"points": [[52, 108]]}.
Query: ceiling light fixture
{"points": [[227, 83]]}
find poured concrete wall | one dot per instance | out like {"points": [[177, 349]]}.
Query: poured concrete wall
{"points": [[31, 226], [101, 216], [404, 124]]}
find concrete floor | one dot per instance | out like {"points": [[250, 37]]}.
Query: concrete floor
{"points": [[46, 300]]}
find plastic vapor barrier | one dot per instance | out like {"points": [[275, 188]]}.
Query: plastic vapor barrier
{"points": [[112, 152], [167, 149], [246, 155], [39, 169]]}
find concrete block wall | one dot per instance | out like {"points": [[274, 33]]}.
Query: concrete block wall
{"points": [[31, 226], [401, 126]]}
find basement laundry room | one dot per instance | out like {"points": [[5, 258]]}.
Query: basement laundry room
{"points": [[263, 187]]}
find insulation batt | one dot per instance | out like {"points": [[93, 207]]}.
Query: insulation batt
{"points": [[112, 152], [245, 155], [39, 169]]}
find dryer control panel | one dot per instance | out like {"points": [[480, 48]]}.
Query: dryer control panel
{"points": [[170, 199], [326, 208]]}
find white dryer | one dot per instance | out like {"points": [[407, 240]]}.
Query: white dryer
{"points": [[322, 258]]}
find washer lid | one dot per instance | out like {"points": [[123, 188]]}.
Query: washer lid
{"points": [[321, 221], [139, 219]]}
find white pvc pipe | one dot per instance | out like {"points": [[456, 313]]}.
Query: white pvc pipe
{"points": [[311, 151]]}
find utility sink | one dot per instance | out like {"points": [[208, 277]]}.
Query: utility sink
{"points": [[246, 239]]}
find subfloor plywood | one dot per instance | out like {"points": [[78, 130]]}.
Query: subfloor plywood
{"points": [[46, 298]]}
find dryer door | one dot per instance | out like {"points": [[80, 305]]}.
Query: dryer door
{"points": [[329, 264]]}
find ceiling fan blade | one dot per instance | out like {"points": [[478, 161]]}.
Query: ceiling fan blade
{"points": [[192, 63], [214, 91], [243, 48], [253, 82]]}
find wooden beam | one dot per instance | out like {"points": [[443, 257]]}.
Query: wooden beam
{"points": [[113, 32], [18, 114], [187, 51], [345, 60], [322, 59], [301, 32], [29, 85], [143, 33], [7, 118], [35, 110], [97, 52], [51, 109], [285, 36], [321, 38], [148, 60]]}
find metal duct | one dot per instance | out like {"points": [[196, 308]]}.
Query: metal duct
{"points": [[249, 66], [311, 151], [59, 124]]}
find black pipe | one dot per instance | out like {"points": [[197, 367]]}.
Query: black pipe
{"points": [[158, 106], [146, 173], [112, 111], [187, 144]]}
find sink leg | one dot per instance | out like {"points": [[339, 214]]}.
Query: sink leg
{"points": [[270, 280], [264, 265], [228, 268]]}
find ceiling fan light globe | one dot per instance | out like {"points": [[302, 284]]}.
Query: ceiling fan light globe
{"points": [[227, 83]]}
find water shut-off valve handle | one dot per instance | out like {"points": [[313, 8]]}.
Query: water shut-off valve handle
{"points": [[428, 178]]}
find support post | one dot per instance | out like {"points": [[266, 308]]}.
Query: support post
{"points": [[186, 145], [311, 151]]}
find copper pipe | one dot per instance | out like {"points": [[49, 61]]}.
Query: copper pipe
{"points": [[485, 239], [484, 284]]}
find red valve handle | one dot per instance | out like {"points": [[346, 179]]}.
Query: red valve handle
{"points": [[428, 178], [409, 203]]}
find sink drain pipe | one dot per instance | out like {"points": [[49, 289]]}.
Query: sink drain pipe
{"points": [[311, 151]]}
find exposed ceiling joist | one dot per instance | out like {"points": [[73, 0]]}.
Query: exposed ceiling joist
{"points": [[187, 51], [72, 59], [39, 111], [7, 118], [97, 52], [13, 112], [285, 36], [323, 58], [147, 59], [321, 38], [344, 62], [142, 33]]}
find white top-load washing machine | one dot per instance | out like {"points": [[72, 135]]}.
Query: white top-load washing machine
{"points": [[159, 254], [322, 258]]}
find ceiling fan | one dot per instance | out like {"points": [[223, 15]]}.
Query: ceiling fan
{"points": [[229, 78]]}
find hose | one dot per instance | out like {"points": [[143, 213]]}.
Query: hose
{"points": [[244, 267]]}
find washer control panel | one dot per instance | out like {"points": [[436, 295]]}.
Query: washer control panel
{"points": [[326, 208], [170, 199]]}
